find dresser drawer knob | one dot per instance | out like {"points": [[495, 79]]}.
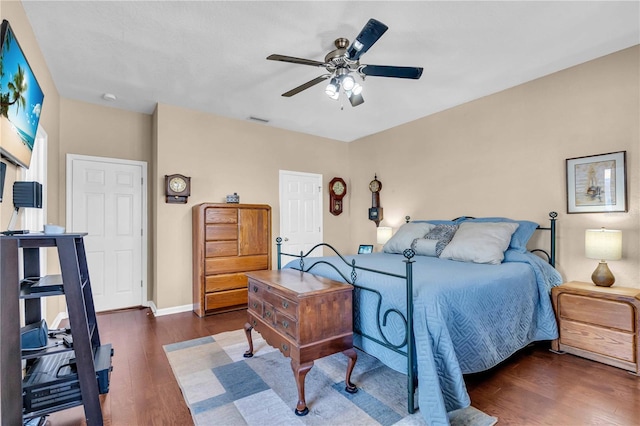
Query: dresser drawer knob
{"points": [[285, 324], [254, 322], [285, 347], [268, 314], [254, 305], [285, 304], [255, 288]]}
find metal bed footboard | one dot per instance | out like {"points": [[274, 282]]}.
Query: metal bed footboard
{"points": [[409, 338], [381, 318]]}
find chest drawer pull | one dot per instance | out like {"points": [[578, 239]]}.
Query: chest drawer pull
{"points": [[285, 324], [254, 322], [268, 314], [255, 288], [254, 305], [285, 304], [285, 347]]}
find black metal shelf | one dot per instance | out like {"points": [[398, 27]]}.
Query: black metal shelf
{"points": [[54, 345], [49, 384], [37, 287]]}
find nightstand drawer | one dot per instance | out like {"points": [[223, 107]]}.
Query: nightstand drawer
{"points": [[607, 313], [599, 340]]}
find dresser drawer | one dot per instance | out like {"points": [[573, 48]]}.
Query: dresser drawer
{"points": [[272, 337], [255, 305], [607, 313], [266, 293], [227, 298], [221, 232], [604, 341], [221, 215], [225, 282], [225, 265], [221, 248], [286, 324]]}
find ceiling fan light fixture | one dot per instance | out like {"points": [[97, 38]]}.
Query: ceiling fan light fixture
{"points": [[348, 82], [333, 88], [357, 89]]}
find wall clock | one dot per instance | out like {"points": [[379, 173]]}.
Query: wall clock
{"points": [[177, 188], [375, 212], [337, 191]]}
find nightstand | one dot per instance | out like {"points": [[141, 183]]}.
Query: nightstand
{"points": [[598, 323]]}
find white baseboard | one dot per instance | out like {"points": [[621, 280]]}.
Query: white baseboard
{"points": [[168, 311]]}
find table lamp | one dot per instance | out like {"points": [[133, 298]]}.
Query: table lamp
{"points": [[603, 244], [383, 234]]}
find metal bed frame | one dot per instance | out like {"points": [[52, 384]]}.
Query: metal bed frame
{"points": [[409, 338]]}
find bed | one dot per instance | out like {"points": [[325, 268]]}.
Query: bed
{"points": [[446, 298]]}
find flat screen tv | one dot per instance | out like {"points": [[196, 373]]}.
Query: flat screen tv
{"points": [[20, 100]]}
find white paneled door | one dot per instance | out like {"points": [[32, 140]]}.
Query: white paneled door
{"points": [[300, 212], [106, 198]]}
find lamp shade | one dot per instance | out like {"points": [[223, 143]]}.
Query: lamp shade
{"points": [[383, 234], [603, 244]]}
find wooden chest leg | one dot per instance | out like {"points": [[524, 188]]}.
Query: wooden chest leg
{"points": [[247, 330], [353, 357], [299, 373]]}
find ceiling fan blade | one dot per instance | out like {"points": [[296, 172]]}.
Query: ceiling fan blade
{"points": [[355, 99], [389, 71], [294, 60], [306, 85], [370, 33]]}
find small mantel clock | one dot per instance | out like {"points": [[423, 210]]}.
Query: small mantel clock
{"points": [[337, 191], [375, 212], [177, 188]]}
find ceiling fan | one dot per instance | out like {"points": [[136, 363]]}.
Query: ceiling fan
{"points": [[345, 60]]}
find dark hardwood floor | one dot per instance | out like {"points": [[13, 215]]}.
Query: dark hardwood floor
{"points": [[534, 387]]}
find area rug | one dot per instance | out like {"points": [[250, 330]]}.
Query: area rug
{"points": [[221, 387]]}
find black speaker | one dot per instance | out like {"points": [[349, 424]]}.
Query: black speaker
{"points": [[3, 172], [27, 194]]}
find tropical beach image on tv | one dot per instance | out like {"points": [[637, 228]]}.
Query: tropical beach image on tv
{"points": [[20, 100]]}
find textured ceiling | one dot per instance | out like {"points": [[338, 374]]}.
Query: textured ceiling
{"points": [[210, 55]]}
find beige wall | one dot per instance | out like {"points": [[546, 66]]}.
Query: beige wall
{"points": [[49, 121], [99, 131], [504, 155], [223, 156], [500, 155]]}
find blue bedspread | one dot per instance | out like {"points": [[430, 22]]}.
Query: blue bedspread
{"points": [[467, 317]]}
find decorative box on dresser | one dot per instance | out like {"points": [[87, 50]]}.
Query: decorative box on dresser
{"points": [[228, 240], [599, 323]]}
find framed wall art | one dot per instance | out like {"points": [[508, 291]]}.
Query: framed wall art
{"points": [[597, 183]]}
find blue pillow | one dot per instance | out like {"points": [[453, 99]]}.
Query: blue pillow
{"points": [[520, 238]]}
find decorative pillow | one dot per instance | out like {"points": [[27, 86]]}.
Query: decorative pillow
{"points": [[442, 233], [480, 242], [424, 247], [520, 238], [403, 238]]}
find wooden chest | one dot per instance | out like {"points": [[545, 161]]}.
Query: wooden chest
{"points": [[303, 315], [228, 240], [599, 323]]}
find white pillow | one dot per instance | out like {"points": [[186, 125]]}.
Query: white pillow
{"points": [[425, 247], [480, 242], [403, 238]]}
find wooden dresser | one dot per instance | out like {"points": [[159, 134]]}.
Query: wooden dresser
{"points": [[305, 316], [228, 240], [599, 323]]}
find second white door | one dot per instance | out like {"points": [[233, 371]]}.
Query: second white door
{"points": [[300, 212]]}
